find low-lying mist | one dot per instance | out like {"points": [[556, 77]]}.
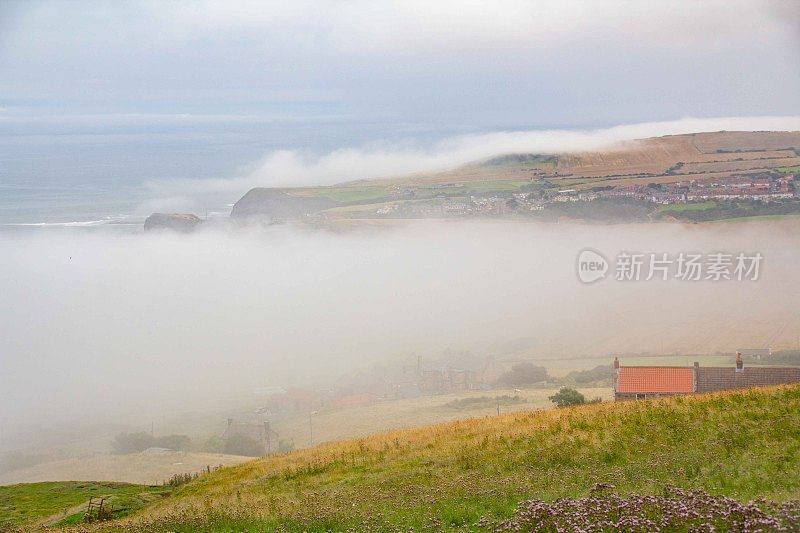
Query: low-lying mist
{"points": [[97, 326], [293, 168]]}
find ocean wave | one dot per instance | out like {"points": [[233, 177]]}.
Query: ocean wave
{"points": [[120, 219]]}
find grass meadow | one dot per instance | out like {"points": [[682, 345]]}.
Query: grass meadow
{"points": [[698, 206], [471, 474], [64, 502]]}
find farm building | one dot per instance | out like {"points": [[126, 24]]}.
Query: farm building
{"points": [[640, 382]]}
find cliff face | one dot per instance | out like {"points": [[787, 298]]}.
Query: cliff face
{"points": [[275, 204], [172, 221]]}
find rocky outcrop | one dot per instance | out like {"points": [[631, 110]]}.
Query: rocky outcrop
{"points": [[277, 204], [184, 222]]}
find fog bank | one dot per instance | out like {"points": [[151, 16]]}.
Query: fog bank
{"points": [[142, 323], [381, 159]]}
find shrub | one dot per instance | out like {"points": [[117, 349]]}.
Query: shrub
{"points": [[214, 444], [566, 397], [132, 442], [238, 444], [140, 441], [19, 459], [481, 401], [173, 442], [285, 446], [522, 374], [601, 374]]}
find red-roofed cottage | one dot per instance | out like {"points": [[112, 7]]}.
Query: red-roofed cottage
{"points": [[640, 382]]}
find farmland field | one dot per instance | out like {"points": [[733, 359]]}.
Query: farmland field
{"points": [[700, 206], [701, 156], [660, 160], [789, 170], [348, 194]]}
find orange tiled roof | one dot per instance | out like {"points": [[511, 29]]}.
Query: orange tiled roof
{"points": [[655, 379]]}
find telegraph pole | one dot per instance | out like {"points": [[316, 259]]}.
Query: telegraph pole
{"points": [[311, 427]]}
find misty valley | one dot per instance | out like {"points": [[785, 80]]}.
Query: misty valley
{"points": [[300, 335], [377, 266]]}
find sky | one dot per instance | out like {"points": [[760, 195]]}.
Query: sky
{"points": [[492, 65]]}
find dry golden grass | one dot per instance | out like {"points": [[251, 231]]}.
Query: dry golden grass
{"points": [[743, 151], [351, 422], [746, 140], [735, 166], [743, 444]]}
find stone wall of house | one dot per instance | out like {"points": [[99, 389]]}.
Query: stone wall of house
{"points": [[710, 379]]}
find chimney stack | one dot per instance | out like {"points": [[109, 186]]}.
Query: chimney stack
{"points": [[739, 362]]}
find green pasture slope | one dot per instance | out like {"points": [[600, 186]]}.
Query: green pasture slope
{"points": [[471, 474], [27, 504]]}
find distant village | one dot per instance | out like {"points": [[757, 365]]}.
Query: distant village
{"points": [[438, 201], [465, 372]]}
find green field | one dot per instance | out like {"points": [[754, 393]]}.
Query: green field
{"points": [[349, 194], [700, 206], [755, 218], [494, 185], [30, 504], [789, 170], [370, 194], [470, 474]]}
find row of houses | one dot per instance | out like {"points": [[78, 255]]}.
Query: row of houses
{"points": [[763, 187], [642, 382]]}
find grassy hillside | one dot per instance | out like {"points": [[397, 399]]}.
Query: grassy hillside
{"points": [[667, 159], [468, 473], [664, 159], [33, 504]]}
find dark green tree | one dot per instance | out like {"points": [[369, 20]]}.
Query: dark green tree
{"points": [[132, 442], [173, 442], [214, 444], [567, 397], [238, 444], [522, 374]]}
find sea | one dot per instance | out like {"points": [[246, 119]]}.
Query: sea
{"points": [[104, 172]]}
